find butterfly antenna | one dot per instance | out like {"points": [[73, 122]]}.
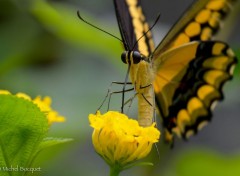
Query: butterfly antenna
{"points": [[147, 30], [90, 24]]}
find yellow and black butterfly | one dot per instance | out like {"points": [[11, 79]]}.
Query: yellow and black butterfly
{"points": [[186, 71]]}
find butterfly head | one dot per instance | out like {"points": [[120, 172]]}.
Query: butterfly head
{"points": [[132, 57]]}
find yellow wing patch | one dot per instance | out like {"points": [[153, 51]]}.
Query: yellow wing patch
{"points": [[146, 44], [205, 23]]}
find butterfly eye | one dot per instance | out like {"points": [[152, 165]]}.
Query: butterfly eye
{"points": [[137, 57], [124, 57]]}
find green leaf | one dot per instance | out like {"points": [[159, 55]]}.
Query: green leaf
{"points": [[22, 128], [50, 141]]}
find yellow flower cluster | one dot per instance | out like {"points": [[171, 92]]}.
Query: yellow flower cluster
{"points": [[120, 140], [43, 104]]}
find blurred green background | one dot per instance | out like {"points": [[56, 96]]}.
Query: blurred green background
{"points": [[45, 49]]}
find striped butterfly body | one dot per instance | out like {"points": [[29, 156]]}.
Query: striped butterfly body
{"points": [[185, 73], [133, 25]]}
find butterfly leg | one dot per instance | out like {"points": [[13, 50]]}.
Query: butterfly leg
{"points": [[146, 99], [146, 94], [116, 92], [153, 105], [130, 100], [109, 93], [144, 87]]}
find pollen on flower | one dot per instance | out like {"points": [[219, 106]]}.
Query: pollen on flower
{"points": [[120, 140], [43, 103]]}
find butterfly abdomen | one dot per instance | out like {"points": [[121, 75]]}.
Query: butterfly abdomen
{"points": [[146, 107], [145, 93]]}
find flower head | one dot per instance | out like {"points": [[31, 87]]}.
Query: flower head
{"points": [[119, 140], [44, 105]]}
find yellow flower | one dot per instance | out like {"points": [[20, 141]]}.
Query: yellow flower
{"points": [[44, 105], [120, 141]]}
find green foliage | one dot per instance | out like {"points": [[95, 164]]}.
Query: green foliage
{"points": [[23, 127], [48, 27], [50, 141], [22, 130], [207, 163], [63, 22], [237, 70]]}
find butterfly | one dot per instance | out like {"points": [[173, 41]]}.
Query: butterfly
{"points": [[184, 74]]}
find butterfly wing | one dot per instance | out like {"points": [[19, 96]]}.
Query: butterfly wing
{"points": [[190, 76], [201, 21], [133, 25], [188, 83]]}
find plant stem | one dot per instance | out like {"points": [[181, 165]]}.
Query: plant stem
{"points": [[114, 171]]}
